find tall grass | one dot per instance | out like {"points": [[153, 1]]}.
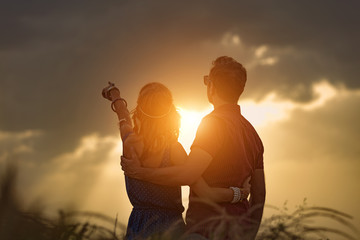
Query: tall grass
{"points": [[17, 223], [304, 223]]}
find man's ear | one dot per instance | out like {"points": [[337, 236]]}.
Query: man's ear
{"points": [[212, 89]]}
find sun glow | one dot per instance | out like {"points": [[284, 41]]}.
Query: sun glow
{"points": [[266, 111], [259, 114], [190, 121]]}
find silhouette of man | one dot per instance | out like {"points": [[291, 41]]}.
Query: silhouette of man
{"points": [[226, 150]]}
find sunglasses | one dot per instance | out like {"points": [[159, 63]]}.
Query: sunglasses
{"points": [[206, 80]]}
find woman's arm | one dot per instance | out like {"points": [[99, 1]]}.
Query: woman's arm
{"points": [[204, 191], [119, 106]]}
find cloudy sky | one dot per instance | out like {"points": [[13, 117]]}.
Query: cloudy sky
{"points": [[302, 94]]}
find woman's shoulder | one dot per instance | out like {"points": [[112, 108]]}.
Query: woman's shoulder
{"points": [[178, 154]]}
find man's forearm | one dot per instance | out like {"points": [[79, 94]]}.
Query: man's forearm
{"points": [[257, 211], [257, 199], [185, 174], [169, 176], [257, 207]]}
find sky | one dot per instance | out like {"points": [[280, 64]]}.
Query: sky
{"points": [[302, 93]]}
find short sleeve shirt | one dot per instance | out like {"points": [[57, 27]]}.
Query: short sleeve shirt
{"points": [[231, 140], [237, 151]]}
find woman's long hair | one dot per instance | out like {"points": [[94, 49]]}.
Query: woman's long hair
{"points": [[155, 117]]}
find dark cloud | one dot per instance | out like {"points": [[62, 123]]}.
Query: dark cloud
{"points": [[326, 133], [55, 56]]}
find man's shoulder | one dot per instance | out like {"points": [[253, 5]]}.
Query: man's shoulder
{"points": [[209, 135], [212, 119], [212, 123]]}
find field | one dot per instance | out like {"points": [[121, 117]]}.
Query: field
{"points": [[17, 223]]}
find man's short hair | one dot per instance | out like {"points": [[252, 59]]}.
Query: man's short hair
{"points": [[229, 78]]}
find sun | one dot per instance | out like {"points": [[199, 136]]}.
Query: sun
{"points": [[190, 120]]}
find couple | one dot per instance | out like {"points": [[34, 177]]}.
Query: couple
{"points": [[226, 154]]}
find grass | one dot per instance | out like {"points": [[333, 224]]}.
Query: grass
{"points": [[303, 223], [17, 223]]}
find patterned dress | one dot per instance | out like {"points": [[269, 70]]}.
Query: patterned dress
{"points": [[156, 208]]}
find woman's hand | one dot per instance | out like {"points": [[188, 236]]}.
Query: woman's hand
{"points": [[110, 92]]}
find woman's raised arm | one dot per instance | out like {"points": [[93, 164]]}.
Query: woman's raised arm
{"points": [[119, 106]]}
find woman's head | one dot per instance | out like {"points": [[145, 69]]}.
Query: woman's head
{"points": [[155, 117]]}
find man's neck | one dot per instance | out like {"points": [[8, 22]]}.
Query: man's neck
{"points": [[219, 102]]}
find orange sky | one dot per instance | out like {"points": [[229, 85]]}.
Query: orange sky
{"points": [[302, 157]]}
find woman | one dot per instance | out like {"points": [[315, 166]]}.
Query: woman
{"points": [[154, 138]]}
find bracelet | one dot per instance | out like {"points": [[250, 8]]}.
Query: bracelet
{"points": [[121, 120], [237, 194], [113, 103]]}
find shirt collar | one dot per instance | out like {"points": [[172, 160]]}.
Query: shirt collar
{"points": [[230, 107]]}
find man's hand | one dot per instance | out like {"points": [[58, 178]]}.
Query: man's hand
{"points": [[246, 185], [246, 188], [131, 166]]}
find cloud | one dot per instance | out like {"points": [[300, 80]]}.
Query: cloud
{"points": [[230, 39], [324, 128], [51, 50], [313, 146], [313, 149], [87, 178], [16, 144], [288, 71], [259, 52], [77, 171], [273, 108], [269, 61]]}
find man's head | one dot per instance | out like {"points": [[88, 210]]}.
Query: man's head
{"points": [[228, 78]]}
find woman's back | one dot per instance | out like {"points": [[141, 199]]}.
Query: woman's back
{"points": [[156, 208]]}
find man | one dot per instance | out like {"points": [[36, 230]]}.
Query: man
{"points": [[226, 150]]}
